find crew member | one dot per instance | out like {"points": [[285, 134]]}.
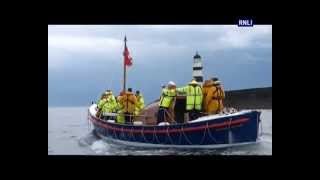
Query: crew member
{"points": [[140, 102], [166, 101], [129, 102], [194, 99]]}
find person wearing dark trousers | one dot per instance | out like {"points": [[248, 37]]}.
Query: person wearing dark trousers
{"points": [[194, 114], [128, 118], [161, 115], [193, 92]]}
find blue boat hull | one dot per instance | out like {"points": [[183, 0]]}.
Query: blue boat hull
{"points": [[216, 132]]}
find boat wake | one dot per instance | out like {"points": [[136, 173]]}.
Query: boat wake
{"points": [[99, 146], [266, 139], [88, 139]]}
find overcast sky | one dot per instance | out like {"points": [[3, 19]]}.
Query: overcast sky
{"points": [[83, 61]]}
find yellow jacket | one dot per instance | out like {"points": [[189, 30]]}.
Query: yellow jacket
{"points": [[140, 104], [194, 96], [140, 100], [221, 96], [110, 104], [167, 97], [128, 101], [212, 97]]}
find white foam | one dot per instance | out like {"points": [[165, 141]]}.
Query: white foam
{"points": [[266, 139], [99, 146], [164, 124], [137, 123]]}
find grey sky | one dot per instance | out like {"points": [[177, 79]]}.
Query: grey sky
{"points": [[85, 60]]}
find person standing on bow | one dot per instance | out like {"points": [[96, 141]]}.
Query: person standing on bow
{"points": [[194, 99], [109, 106], [101, 102]]}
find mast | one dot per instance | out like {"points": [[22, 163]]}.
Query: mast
{"points": [[124, 67]]}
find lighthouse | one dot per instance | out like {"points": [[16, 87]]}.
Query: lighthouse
{"points": [[197, 68]]}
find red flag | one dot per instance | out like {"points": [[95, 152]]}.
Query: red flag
{"points": [[127, 57]]}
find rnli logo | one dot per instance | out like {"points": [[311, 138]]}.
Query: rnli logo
{"points": [[245, 23]]}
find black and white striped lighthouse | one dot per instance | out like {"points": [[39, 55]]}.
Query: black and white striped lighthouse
{"points": [[197, 68]]}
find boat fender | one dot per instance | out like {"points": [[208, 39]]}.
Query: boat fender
{"points": [[109, 114], [233, 110], [137, 123], [163, 124], [111, 121]]}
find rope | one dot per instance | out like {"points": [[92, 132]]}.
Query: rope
{"points": [[131, 132], [166, 141], [104, 130], [180, 137], [122, 134], [204, 135], [143, 136], [107, 131], [154, 129], [114, 132], [169, 136], [186, 138], [153, 135], [210, 135]]}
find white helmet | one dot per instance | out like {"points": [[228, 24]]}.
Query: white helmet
{"points": [[171, 83]]}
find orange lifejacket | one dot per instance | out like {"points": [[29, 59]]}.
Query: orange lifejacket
{"points": [[212, 96], [129, 102]]}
